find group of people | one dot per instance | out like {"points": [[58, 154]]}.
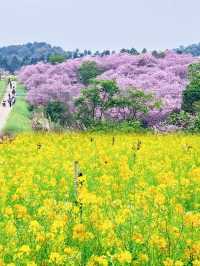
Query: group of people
{"points": [[11, 96]]}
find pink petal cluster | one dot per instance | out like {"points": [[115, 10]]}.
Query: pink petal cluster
{"points": [[165, 77], [45, 82]]}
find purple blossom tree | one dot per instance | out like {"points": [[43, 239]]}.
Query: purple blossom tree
{"points": [[165, 77]]}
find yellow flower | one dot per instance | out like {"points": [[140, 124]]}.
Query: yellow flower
{"points": [[20, 211], [166, 179], [52, 182], [97, 261], [138, 238], [178, 263], [143, 258], [10, 228], [80, 233], [8, 211], [24, 250], [50, 236], [58, 224], [40, 237], [192, 219], [71, 252], [179, 208], [184, 182], [158, 241], [159, 198], [122, 216], [56, 258], [123, 257], [34, 226], [168, 262], [196, 263], [125, 171], [31, 263], [105, 225], [195, 249], [110, 240], [195, 174]]}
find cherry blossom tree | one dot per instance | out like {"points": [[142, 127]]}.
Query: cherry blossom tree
{"points": [[165, 77]]}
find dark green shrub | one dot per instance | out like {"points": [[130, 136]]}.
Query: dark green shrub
{"points": [[123, 127], [195, 126], [97, 97], [56, 59], [59, 113], [191, 95], [185, 121], [181, 119], [88, 71]]}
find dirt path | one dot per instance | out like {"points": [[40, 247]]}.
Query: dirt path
{"points": [[4, 111]]}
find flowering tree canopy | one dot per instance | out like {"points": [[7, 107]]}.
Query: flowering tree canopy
{"points": [[165, 77]]}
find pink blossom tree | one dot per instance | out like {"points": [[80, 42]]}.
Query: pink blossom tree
{"points": [[165, 77]]}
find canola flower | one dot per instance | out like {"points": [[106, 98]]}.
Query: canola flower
{"points": [[137, 200]]}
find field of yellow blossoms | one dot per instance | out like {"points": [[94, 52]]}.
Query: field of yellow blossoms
{"points": [[89, 199]]}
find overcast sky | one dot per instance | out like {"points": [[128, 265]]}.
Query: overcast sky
{"points": [[101, 24]]}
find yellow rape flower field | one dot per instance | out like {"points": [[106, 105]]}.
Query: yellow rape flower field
{"points": [[91, 199]]}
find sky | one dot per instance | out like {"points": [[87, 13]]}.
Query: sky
{"points": [[101, 24]]}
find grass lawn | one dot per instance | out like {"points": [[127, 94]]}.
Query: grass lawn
{"points": [[2, 88], [19, 119]]}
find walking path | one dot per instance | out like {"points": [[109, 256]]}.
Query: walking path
{"points": [[4, 111]]}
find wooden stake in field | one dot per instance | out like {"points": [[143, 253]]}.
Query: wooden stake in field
{"points": [[76, 174], [113, 140]]}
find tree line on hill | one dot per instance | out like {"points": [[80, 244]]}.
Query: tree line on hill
{"points": [[193, 49], [13, 57]]}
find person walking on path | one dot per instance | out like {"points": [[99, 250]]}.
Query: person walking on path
{"points": [[10, 83], [13, 91], [4, 103], [13, 100], [10, 102]]}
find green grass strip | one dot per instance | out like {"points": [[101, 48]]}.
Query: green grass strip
{"points": [[19, 120]]}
